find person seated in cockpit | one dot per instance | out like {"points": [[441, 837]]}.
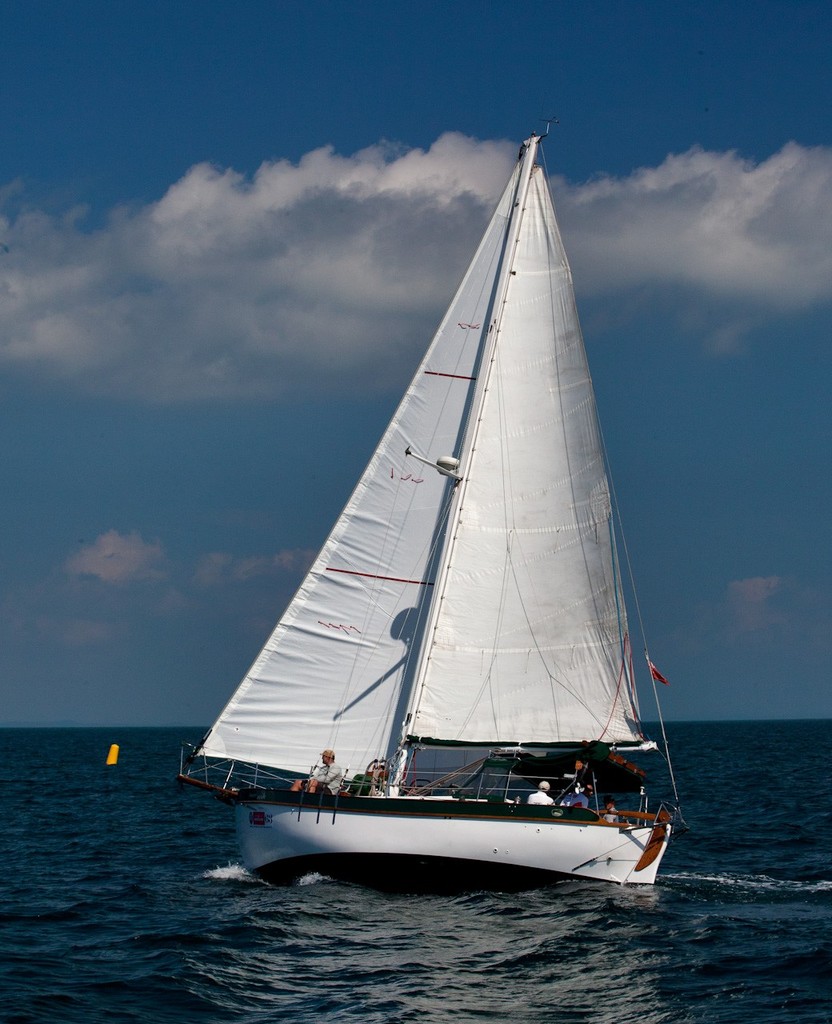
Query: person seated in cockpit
{"points": [[541, 794], [326, 776]]}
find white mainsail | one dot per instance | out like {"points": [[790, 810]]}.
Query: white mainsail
{"points": [[527, 643]]}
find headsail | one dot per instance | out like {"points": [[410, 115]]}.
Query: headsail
{"points": [[527, 642]]}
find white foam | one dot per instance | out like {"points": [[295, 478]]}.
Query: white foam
{"points": [[313, 878], [231, 872], [753, 882]]}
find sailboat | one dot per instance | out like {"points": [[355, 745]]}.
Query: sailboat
{"points": [[460, 643]]}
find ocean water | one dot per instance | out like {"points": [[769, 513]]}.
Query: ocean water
{"points": [[123, 900]]}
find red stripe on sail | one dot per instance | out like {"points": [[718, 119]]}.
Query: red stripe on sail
{"points": [[456, 376], [375, 576]]}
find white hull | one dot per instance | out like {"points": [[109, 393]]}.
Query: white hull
{"points": [[434, 844]]}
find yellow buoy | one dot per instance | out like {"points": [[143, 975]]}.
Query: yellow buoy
{"points": [[112, 757]]}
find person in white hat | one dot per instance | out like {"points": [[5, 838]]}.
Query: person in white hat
{"points": [[541, 794]]}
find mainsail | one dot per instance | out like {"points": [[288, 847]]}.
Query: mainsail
{"points": [[483, 609]]}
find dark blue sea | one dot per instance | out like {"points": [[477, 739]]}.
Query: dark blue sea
{"points": [[123, 900]]}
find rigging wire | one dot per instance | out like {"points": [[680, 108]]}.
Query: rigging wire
{"points": [[637, 607], [616, 511]]}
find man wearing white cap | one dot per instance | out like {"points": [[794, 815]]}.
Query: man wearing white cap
{"points": [[541, 794]]}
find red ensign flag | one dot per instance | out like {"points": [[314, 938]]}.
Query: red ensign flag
{"points": [[654, 672]]}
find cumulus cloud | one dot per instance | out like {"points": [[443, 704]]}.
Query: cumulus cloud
{"points": [[750, 603], [139, 587], [762, 613], [118, 558], [329, 274], [775, 611], [218, 568], [713, 222]]}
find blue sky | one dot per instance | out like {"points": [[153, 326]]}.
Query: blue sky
{"points": [[227, 233]]}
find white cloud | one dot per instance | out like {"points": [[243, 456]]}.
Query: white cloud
{"points": [[749, 604], [760, 614], [713, 222], [330, 274], [775, 611], [118, 558], [218, 568]]}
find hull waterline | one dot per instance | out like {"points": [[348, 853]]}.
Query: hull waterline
{"points": [[413, 845]]}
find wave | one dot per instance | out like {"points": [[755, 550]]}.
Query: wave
{"points": [[313, 878], [231, 873], [763, 883]]}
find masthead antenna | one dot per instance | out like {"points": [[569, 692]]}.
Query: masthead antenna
{"points": [[549, 122]]}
